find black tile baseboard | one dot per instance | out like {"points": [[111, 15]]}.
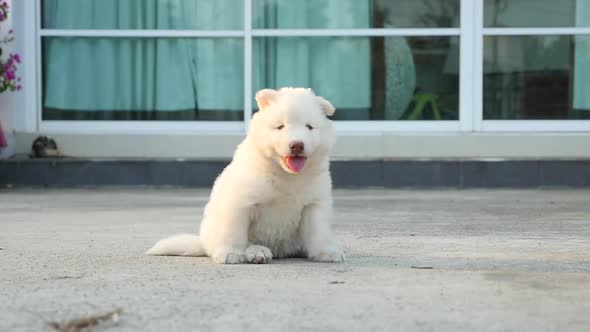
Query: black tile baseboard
{"points": [[75, 173]]}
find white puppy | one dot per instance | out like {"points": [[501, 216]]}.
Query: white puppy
{"points": [[275, 198]]}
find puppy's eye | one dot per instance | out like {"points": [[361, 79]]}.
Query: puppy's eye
{"points": [[279, 127], [309, 127]]}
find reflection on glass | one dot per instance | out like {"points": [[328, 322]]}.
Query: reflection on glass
{"points": [[536, 77], [142, 79], [536, 13], [377, 78], [352, 14], [143, 14]]}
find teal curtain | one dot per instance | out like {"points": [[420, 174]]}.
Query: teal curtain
{"points": [[582, 59], [143, 14], [142, 78], [336, 68]]}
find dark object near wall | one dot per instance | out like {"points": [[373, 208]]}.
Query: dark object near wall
{"points": [[44, 147], [546, 96]]}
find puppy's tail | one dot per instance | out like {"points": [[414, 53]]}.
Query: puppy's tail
{"points": [[178, 245]]}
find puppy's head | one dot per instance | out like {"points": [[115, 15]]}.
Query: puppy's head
{"points": [[292, 127]]}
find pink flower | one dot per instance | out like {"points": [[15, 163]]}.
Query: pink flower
{"points": [[10, 75], [15, 57], [8, 67]]}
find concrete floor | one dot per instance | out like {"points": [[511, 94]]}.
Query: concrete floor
{"points": [[501, 261]]}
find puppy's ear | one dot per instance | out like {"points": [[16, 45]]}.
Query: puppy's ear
{"points": [[265, 97], [326, 106]]}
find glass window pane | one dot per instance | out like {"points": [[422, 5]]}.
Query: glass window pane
{"points": [[367, 78], [142, 79], [143, 14], [536, 77], [354, 14], [537, 13]]}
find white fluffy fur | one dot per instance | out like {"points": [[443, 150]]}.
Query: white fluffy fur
{"points": [[260, 209]]}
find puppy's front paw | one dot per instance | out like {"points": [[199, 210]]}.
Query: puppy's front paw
{"points": [[328, 256], [225, 257], [256, 254]]}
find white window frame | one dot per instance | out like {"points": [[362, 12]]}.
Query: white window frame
{"points": [[35, 33], [471, 33], [515, 125]]}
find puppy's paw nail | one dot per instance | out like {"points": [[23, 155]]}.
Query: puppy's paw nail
{"points": [[256, 254]]}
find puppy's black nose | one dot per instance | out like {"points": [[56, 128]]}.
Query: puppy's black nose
{"points": [[296, 147]]}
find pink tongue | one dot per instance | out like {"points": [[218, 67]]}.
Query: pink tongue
{"points": [[295, 163]]}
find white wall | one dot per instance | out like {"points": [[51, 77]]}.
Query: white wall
{"points": [[7, 98], [498, 139], [6, 119], [349, 146], [17, 108]]}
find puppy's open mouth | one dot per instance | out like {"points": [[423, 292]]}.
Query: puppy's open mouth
{"points": [[295, 163]]}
